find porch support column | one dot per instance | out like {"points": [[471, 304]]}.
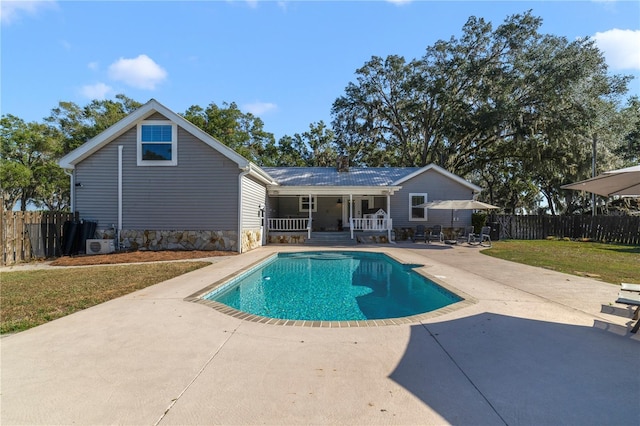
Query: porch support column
{"points": [[351, 215], [389, 222], [310, 217]]}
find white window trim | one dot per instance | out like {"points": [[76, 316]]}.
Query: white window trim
{"points": [[174, 143], [314, 203], [426, 199]]}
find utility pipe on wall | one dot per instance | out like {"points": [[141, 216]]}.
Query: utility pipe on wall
{"points": [[72, 195], [120, 150]]}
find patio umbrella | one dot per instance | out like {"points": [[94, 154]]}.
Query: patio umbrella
{"points": [[457, 205], [615, 182]]}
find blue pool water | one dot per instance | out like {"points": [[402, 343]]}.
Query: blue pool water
{"points": [[332, 286]]}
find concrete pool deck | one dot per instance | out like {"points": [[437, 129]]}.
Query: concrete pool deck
{"points": [[537, 348]]}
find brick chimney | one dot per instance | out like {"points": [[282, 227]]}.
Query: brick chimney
{"points": [[343, 164]]}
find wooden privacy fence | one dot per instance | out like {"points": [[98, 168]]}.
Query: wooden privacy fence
{"points": [[613, 229], [31, 235]]}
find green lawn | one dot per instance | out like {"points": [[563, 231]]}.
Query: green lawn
{"points": [[612, 263], [31, 298]]}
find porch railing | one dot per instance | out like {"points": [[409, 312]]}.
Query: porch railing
{"points": [[358, 224], [304, 224], [283, 224], [370, 224]]}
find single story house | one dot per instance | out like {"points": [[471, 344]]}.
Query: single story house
{"points": [[157, 181]]}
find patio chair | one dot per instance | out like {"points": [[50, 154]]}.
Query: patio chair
{"points": [[630, 295], [435, 233], [466, 235], [420, 233], [485, 237], [474, 237]]}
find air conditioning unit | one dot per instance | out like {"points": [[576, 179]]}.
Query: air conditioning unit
{"points": [[100, 246]]}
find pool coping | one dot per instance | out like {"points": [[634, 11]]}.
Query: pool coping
{"points": [[196, 297]]}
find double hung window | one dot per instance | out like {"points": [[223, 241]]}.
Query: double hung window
{"points": [[157, 143], [417, 213], [304, 204]]}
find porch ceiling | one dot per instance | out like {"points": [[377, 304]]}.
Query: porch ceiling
{"points": [[332, 190]]}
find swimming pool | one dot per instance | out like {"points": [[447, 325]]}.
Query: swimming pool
{"points": [[332, 286]]}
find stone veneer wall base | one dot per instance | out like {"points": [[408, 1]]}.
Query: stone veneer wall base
{"points": [[132, 239], [251, 238], [286, 238]]}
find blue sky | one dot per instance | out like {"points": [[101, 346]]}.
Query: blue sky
{"points": [[285, 61]]}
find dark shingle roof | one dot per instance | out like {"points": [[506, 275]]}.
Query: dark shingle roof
{"points": [[329, 176]]}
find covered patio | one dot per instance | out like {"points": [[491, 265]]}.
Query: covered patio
{"points": [[330, 209]]}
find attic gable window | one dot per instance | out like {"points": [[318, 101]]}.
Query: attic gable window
{"points": [[157, 143]]}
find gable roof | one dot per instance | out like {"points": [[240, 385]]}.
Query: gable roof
{"points": [[92, 145], [145, 111], [443, 172]]}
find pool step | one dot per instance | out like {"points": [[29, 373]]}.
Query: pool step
{"points": [[329, 239]]}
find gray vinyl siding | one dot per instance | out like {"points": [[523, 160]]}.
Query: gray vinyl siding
{"points": [[96, 191], [156, 116], [200, 193], [437, 187], [253, 194]]}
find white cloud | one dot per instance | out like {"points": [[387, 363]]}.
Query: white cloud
{"points": [[621, 48], [259, 108], [141, 72], [93, 65], [97, 91], [11, 11]]}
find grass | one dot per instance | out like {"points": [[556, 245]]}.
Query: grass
{"points": [[612, 263], [31, 298]]}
